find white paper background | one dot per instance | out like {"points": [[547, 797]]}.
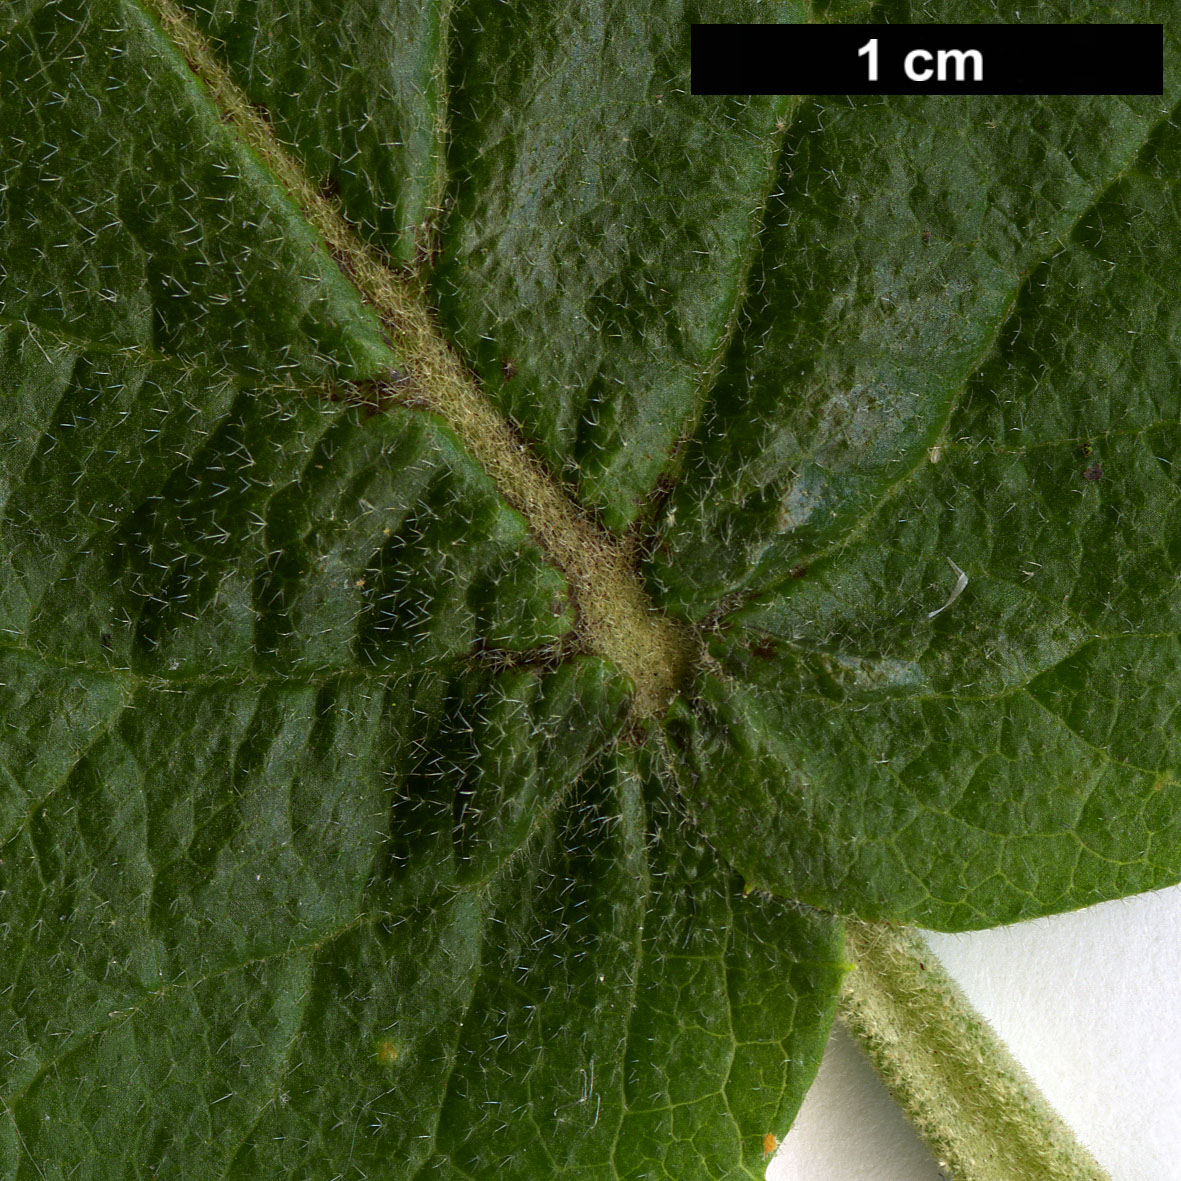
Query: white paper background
{"points": [[1089, 1003]]}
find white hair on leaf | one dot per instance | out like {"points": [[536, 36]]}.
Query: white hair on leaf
{"points": [[961, 581]]}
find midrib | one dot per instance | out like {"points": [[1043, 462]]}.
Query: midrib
{"points": [[616, 618]]}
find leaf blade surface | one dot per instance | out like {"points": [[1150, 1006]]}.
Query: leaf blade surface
{"points": [[298, 764]]}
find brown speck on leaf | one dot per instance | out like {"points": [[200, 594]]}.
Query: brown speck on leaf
{"points": [[1094, 472], [926, 236], [426, 245], [1085, 449], [105, 640], [767, 650], [797, 572], [388, 1053], [509, 368], [376, 395]]}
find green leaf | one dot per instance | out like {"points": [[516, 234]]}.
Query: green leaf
{"points": [[267, 822], [135, 216], [475, 536], [323, 846], [623, 212], [371, 136], [994, 393]]}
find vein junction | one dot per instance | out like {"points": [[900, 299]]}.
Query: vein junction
{"points": [[616, 618]]}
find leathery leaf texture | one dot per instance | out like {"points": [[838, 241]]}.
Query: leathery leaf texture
{"points": [[339, 835]]}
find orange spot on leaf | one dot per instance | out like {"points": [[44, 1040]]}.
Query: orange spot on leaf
{"points": [[769, 1143]]}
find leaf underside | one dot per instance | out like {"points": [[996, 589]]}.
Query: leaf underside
{"points": [[328, 842]]}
